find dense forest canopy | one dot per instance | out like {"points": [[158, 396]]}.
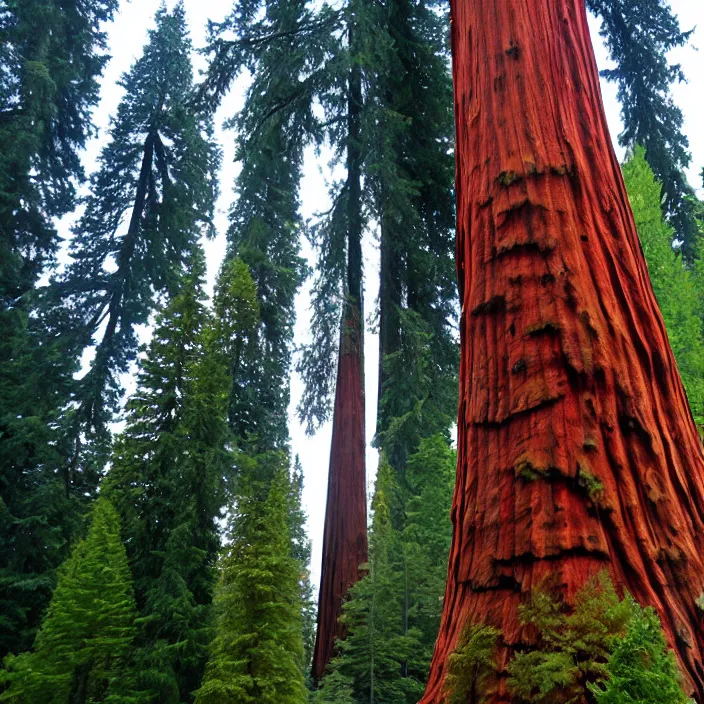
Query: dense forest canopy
{"points": [[252, 253]]}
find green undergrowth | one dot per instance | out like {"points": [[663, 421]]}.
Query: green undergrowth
{"points": [[600, 650]]}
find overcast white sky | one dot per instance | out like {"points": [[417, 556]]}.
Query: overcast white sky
{"points": [[127, 36]]}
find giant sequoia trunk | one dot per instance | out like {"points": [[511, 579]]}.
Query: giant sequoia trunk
{"points": [[345, 534], [577, 451]]}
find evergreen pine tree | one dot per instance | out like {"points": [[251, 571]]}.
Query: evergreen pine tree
{"points": [[676, 286], [84, 642], [425, 544], [43, 505], [157, 167], [558, 321], [257, 653], [238, 315], [412, 180], [168, 479], [639, 36]]}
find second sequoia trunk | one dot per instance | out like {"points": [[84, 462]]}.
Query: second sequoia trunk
{"points": [[577, 451], [345, 534]]}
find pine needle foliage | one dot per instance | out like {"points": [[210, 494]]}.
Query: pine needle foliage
{"points": [[585, 651], [257, 653], [602, 649], [471, 668], [51, 57], [573, 645], [641, 669], [272, 40], [301, 551], [678, 286], [639, 36], [81, 650]]}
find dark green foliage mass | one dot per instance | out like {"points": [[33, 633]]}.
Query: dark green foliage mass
{"points": [[168, 480], [51, 57], [411, 177], [81, 650], [257, 654], [678, 287], [642, 669], [639, 36], [150, 200], [42, 502]]}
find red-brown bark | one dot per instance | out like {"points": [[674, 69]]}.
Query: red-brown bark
{"points": [[345, 536], [577, 450]]}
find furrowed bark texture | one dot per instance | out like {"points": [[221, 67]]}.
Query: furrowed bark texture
{"points": [[345, 533], [577, 450]]}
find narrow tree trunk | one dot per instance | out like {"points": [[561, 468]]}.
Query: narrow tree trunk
{"points": [[345, 535], [577, 450], [389, 305]]}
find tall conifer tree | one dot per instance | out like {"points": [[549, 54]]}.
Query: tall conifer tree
{"points": [[639, 36], [570, 398], [151, 199], [168, 479], [51, 56], [273, 129], [676, 286], [412, 180]]}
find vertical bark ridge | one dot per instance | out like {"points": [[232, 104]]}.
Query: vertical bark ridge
{"points": [[345, 533], [576, 450]]}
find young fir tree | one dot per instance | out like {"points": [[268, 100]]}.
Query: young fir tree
{"points": [[257, 654], [51, 56], [238, 316], [372, 654], [168, 479], [81, 650], [150, 201], [639, 36], [641, 667], [675, 285]]}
